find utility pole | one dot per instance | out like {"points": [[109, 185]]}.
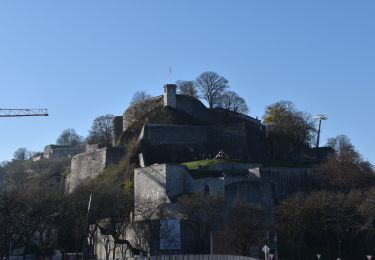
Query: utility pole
{"points": [[320, 118]]}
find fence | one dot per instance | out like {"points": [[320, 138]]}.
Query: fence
{"points": [[191, 257]]}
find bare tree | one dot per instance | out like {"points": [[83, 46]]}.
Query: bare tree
{"points": [[69, 138], [138, 107], [245, 227], [211, 85], [139, 96], [232, 101], [346, 169], [101, 131], [21, 154], [204, 214], [187, 88]]}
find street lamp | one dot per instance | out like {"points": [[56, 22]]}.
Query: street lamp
{"points": [[320, 118]]}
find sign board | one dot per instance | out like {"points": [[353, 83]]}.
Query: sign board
{"points": [[369, 257]]}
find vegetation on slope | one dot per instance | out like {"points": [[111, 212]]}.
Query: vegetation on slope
{"points": [[158, 115]]}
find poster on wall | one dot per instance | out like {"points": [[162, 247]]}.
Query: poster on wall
{"points": [[170, 235]]}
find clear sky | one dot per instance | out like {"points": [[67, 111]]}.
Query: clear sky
{"points": [[81, 59]]}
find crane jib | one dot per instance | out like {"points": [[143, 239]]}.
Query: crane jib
{"points": [[23, 112]]}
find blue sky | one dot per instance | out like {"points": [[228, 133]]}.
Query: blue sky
{"points": [[82, 59]]}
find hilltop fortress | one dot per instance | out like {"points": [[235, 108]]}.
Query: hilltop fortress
{"points": [[192, 130], [159, 134], [174, 128]]}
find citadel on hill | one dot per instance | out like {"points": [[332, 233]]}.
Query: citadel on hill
{"points": [[167, 130], [173, 129]]}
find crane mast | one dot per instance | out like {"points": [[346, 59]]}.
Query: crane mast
{"points": [[22, 112]]}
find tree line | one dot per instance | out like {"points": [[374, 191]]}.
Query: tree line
{"points": [[208, 86]]}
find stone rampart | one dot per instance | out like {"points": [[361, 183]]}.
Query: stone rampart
{"points": [[251, 191], [173, 134], [244, 182], [287, 181], [56, 151], [198, 140], [193, 107], [90, 164]]}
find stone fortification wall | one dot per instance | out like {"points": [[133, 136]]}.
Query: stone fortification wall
{"points": [[173, 134], [178, 179], [193, 107], [150, 190], [90, 164], [156, 184], [287, 181], [85, 165], [253, 184], [197, 141], [231, 138], [160, 183], [164, 182], [251, 191], [256, 142], [212, 186], [55, 151]]}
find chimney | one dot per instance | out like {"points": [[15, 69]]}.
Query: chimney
{"points": [[170, 95]]}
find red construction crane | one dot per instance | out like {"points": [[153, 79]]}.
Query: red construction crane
{"points": [[22, 112]]}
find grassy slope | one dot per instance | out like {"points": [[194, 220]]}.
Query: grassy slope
{"points": [[204, 164]]}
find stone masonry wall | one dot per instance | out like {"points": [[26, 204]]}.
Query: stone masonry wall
{"points": [[174, 134], [208, 140], [287, 181], [85, 165], [149, 189], [90, 164], [58, 152], [251, 191]]}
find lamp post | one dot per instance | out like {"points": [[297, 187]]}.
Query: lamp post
{"points": [[320, 118]]}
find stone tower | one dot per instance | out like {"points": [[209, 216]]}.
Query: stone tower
{"points": [[170, 95]]}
